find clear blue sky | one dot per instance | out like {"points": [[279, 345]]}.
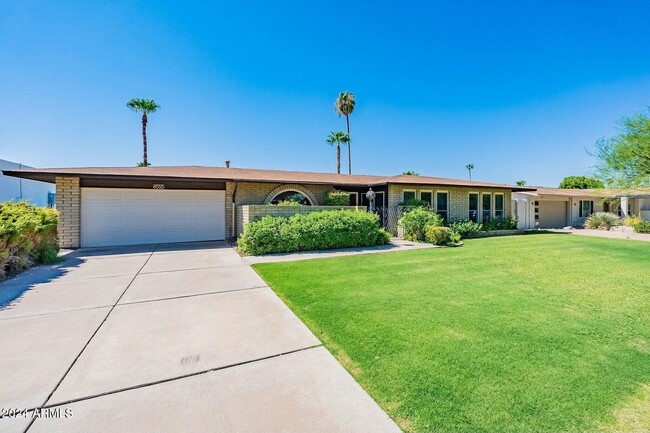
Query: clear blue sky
{"points": [[519, 89]]}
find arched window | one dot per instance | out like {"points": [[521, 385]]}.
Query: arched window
{"points": [[291, 196]]}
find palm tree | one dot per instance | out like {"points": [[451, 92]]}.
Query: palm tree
{"points": [[521, 182], [469, 168], [338, 138], [410, 173], [144, 106], [344, 106]]}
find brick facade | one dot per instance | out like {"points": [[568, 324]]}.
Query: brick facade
{"points": [[68, 203], [256, 193], [458, 199]]}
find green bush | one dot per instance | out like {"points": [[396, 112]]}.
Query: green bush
{"points": [[507, 223], [442, 236], [313, 231], [632, 220], [336, 198], [27, 236], [415, 221], [602, 220], [642, 227], [415, 202], [465, 228]]}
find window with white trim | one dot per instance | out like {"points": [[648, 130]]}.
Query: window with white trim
{"points": [[499, 211], [486, 207], [586, 208], [408, 195], [427, 196], [473, 207], [442, 204]]}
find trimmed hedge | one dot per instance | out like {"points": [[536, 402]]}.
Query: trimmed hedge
{"points": [[336, 198], [313, 231], [27, 237]]}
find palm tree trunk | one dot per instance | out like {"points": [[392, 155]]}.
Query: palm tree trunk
{"points": [[347, 120], [338, 158], [144, 138]]}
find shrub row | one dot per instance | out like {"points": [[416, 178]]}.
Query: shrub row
{"points": [[312, 231], [642, 227], [27, 237]]}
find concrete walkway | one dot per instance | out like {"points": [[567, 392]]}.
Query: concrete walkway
{"points": [[173, 338], [394, 246], [607, 234]]}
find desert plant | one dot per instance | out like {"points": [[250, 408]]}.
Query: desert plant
{"points": [[336, 198], [292, 200], [642, 227], [312, 231], [441, 236], [465, 228], [602, 221], [632, 220], [28, 236], [415, 221]]}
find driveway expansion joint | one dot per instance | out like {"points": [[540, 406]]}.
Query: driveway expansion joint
{"points": [[184, 376], [44, 404]]}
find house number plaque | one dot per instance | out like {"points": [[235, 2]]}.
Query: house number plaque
{"points": [[158, 186]]}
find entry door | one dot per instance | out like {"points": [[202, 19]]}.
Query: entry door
{"points": [[117, 216]]}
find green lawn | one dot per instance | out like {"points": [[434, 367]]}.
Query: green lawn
{"points": [[543, 332]]}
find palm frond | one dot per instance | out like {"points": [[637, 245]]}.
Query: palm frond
{"points": [[143, 105]]}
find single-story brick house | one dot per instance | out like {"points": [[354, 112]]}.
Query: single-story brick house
{"points": [[547, 208], [132, 205]]}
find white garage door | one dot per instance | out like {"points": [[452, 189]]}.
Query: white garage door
{"points": [[552, 214], [116, 216]]}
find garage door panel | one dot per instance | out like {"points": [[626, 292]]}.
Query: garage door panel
{"points": [[137, 216], [552, 214]]}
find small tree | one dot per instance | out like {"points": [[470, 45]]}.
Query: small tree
{"points": [[410, 173], [581, 182], [625, 158]]}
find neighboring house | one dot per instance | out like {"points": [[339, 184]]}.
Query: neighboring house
{"points": [[15, 189], [132, 205], [556, 207]]}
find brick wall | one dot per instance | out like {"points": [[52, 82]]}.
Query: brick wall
{"points": [[68, 203], [458, 197], [255, 193], [249, 213]]}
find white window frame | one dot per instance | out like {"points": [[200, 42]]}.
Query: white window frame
{"points": [[494, 210], [414, 191], [356, 194], [491, 205], [580, 210], [478, 204], [431, 203], [435, 199]]}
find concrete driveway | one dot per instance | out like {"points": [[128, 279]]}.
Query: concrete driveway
{"points": [[174, 338]]}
